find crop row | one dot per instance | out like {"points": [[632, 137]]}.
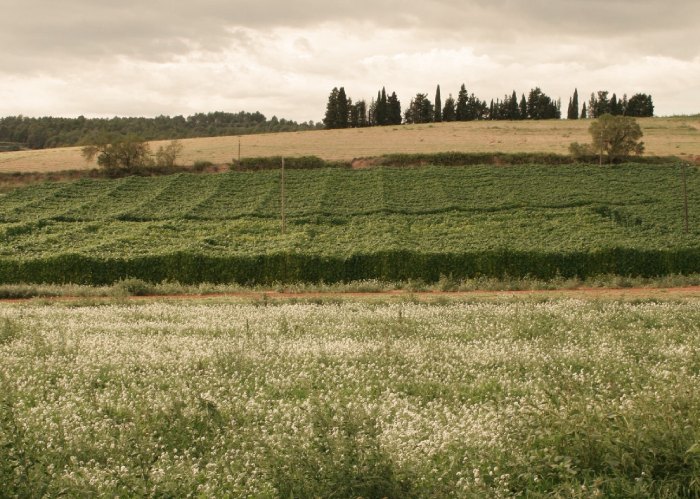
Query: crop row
{"points": [[343, 193], [346, 225]]}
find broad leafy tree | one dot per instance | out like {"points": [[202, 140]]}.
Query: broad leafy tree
{"points": [[119, 153], [616, 137]]}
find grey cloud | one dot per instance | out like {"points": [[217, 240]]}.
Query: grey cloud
{"points": [[160, 29]]}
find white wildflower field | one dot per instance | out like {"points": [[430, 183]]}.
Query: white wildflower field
{"points": [[500, 398]]}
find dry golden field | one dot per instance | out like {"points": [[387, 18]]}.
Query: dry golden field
{"points": [[663, 136]]}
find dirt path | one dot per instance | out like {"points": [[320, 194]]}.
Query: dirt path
{"points": [[427, 296]]}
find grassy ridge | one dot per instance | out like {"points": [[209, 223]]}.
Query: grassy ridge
{"points": [[662, 137], [345, 225]]}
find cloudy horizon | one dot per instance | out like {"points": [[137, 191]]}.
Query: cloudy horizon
{"points": [[282, 58]]}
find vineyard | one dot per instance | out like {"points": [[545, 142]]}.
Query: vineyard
{"points": [[344, 225]]}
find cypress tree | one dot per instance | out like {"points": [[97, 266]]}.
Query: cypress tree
{"points": [[448, 112], [592, 106], [513, 111], [382, 109], [583, 112], [614, 110], [438, 106], [461, 112], [343, 113], [331, 118], [394, 109], [523, 108], [574, 104]]}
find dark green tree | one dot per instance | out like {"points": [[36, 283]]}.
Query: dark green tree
{"points": [[572, 112], [438, 106], [461, 110], [420, 110], [640, 106], [342, 109], [523, 108], [541, 107], [394, 109], [599, 104], [513, 109], [584, 114], [615, 107], [448, 111], [330, 120]]}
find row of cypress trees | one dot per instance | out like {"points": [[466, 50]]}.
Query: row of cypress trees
{"points": [[341, 112]]}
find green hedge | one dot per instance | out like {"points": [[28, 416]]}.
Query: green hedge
{"points": [[499, 158], [292, 163], [191, 268]]}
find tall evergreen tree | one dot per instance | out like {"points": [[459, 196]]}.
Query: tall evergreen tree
{"points": [[382, 110], [541, 107], [592, 105], [461, 111], [331, 118], [420, 110], [572, 112], [394, 109], [438, 106], [343, 111], [523, 108], [584, 114], [448, 112], [513, 110], [614, 107]]}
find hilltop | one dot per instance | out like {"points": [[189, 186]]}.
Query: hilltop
{"points": [[679, 136]]}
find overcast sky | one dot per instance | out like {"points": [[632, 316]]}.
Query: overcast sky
{"points": [[282, 57]]}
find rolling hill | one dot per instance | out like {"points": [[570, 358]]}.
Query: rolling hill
{"points": [[662, 136]]}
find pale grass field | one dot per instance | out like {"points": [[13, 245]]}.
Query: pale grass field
{"points": [[663, 136]]}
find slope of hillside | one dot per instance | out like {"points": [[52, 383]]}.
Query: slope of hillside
{"points": [[346, 225], [662, 136]]}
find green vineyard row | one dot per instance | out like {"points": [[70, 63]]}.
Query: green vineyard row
{"points": [[343, 225]]}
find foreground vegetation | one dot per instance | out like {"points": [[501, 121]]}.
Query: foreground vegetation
{"points": [[569, 398], [390, 224]]}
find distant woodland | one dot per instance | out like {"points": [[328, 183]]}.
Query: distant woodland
{"points": [[17, 132]]}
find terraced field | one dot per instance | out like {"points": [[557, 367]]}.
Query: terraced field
{"points": [[345, 225]]}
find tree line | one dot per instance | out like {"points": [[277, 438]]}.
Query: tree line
{"points": [[342, 112], [38, 133]]}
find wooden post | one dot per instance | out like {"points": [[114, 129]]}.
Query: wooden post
{"points": [[685, 198], [282, 199]]}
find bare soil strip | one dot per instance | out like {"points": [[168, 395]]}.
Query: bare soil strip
{"points": [[691, 292]]}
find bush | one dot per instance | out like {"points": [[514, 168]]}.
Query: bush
{"points": [[292, 163]]}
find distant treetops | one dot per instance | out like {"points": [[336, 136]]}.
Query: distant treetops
{"points": [[342, 112]]}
